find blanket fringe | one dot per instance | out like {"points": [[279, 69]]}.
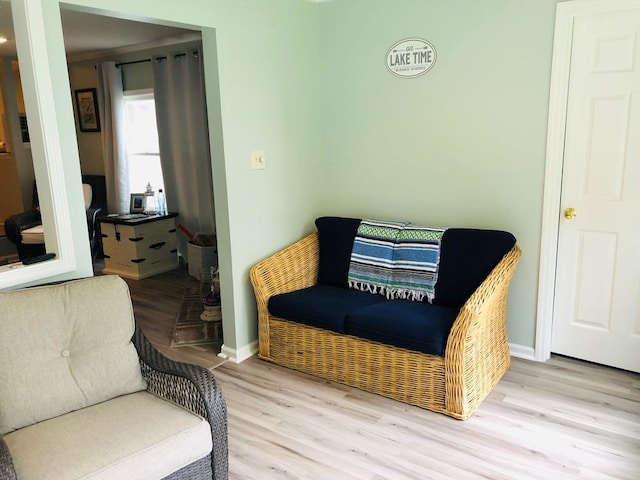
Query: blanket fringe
{"points": [[393, 293], [367, 287]]}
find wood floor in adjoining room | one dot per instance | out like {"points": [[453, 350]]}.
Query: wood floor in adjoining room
{"points": [[564, 419], [156, 304]]}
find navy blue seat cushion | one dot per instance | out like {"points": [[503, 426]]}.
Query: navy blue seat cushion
{"points": [[322, 306], [418, 326], [335, 238], [467, 256]]}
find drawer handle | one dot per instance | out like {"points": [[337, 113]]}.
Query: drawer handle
{"points": [[175, 250], [104, 235], [135, 239], [157, 246], [173, 230], [138, 260], [106, 256]]}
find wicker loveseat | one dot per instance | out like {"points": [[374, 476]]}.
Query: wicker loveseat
{"points": [[445, 356], [83, 394]]}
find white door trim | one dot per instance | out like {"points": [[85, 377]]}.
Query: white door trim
{"points": [[558, 97]]}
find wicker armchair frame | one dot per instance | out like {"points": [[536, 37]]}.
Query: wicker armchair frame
{"points": [[7, 470], [476, 356], [193, 388]]}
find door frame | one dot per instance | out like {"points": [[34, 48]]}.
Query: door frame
{"points": [[558, 99]]}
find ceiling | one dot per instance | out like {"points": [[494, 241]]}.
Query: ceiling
{"points": [[86, 34]]}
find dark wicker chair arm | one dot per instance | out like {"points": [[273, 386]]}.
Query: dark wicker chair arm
{"points": [[191, 387], [7, 471], [93, 227], [15, 224], [92, 215]]}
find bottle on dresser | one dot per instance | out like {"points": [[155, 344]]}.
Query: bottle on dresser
{"points": [[162, 203]]}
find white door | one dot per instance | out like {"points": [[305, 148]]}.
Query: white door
{"points": [[597, 299]]}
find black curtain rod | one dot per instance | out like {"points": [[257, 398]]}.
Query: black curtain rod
{"points": [[149, 59], [131, 63]]}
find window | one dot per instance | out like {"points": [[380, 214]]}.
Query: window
{"points": [[142, 142]]}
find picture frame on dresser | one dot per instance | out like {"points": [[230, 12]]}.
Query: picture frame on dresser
{"points": [[136, 204]]}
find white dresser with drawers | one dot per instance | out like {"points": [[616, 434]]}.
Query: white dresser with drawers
{"points": [[139, 246]]}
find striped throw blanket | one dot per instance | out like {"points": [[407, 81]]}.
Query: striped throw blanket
{"points": [[395, 259]]}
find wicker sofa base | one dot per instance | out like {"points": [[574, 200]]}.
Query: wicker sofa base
{"points": [[476, 357], [407, 376]]}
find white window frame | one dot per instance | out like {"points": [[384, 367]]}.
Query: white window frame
{"points": [[56, 164], [142, 94]]}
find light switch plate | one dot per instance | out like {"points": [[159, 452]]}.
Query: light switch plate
{"points": [[258, 160]]}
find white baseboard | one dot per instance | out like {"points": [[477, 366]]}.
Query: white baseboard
{"points": [[522, 351], [240, 355]]}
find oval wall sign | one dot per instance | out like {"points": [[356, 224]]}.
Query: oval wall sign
{"points": [[411, 58]]}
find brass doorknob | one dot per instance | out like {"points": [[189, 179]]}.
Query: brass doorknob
{"points": [[570, 213]]}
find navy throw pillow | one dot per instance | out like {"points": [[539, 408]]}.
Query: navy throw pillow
{"points": [[467, 256], [335, 237]]}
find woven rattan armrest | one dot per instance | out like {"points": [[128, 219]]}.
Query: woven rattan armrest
{"points": [[293, 268], [191, 387], [477, 352], [7, 471]]}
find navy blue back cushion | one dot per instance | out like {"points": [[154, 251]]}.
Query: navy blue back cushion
{"points": [[335, 236], [467, 256]]}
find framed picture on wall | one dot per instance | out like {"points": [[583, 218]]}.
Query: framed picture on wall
{"points": [[87, 109]]}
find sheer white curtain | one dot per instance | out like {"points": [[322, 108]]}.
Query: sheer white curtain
{"points": [[111, 107], [181, 112]]}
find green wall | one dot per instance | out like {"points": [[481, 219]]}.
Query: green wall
{"points": [[89, 143], [260, 67], [463, 145]]}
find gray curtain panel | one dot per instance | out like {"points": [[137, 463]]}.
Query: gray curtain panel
{"points": [[112, 119], [181, 113]]}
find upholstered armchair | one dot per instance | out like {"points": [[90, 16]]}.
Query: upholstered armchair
{"points": [[31, 245], [83, 394]]}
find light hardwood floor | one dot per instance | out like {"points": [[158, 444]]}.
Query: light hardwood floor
{"points": [[564, 419]]}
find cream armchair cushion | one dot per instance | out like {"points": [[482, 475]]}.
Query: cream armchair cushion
{"points": [[33, 235], [137, 436], [71, 349]]}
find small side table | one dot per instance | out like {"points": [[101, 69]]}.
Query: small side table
{"points": [[139, 246]]}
